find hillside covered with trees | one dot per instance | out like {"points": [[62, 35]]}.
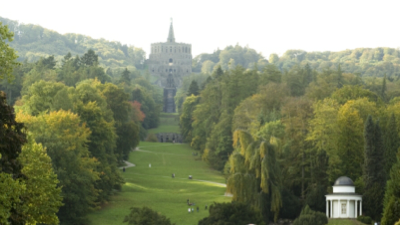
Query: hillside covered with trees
{"points": [[371, 62], [33, 42]]}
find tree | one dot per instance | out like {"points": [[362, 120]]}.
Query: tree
{"points": [[91, 106], [186, 118], [234, 213], [8, 59], [148, 106], [90, 58], [42, 197], [12, 137], [126, 129], [308, 216], [384, 89], [255, 172], [125, 77], [146, 216], [339, 77], [374, 174], [65, 139], [392, 144], [391, 203], [207, 67], [193, 88], [271, 74], [128, 139], [45, 96], [10, 192], [273, 58]]}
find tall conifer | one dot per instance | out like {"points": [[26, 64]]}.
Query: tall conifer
{"points": [[391, 145], [384, 88], [340, 77], [391, 203], [374, 175], [193, 89]]}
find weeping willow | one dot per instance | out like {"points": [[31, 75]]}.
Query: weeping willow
{"points": [[254, 170]]}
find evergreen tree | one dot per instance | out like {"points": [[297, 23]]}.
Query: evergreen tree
{"points": [[218, 72], [90, 58], [12, 138], [340, 77], [384, 88], [391, 145], [391, 203], [374, 174], [125, 77], [193, 89]]}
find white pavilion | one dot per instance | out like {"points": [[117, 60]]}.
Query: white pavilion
{"points": [[344, 202]]}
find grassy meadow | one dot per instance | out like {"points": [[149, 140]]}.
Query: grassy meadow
{"points": [[344, 222], [154, 187], [169, 122]]}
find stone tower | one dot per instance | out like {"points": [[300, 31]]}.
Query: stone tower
{"points": [[169, 59]]}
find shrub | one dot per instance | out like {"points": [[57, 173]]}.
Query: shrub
{"points": [[308, 216], [365, 219], [145, 215], [151, 138], [234, 213]]}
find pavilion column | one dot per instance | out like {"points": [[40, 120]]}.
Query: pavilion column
{"points": [[347, 208], [338, 207], [331, 209], [360, 207], [355, 208], [327, 208]]}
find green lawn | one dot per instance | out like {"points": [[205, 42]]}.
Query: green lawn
{"points": [[344, 222], [154, 187], [169, 122]]}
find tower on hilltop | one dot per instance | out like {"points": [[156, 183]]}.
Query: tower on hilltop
{"points": [[168, 63]]}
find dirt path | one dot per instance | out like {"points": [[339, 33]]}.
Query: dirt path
{"points": [[128, 164]]}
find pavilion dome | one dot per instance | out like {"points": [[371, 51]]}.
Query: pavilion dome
{"points": [[343, 181]]}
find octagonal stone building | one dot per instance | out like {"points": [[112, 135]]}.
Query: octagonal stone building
{"points": [[168, 63]]}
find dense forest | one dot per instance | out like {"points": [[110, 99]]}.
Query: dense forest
{"points": [[283, 137], [33, 42], [371, 62]]}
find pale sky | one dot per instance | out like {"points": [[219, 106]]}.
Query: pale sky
{"points": [[266, 26]]}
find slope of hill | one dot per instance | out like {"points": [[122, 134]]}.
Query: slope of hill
{"points": [[155, 188], [33, 41], [365, 61]]}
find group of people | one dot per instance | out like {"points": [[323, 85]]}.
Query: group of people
{"points": [[191, 209]]}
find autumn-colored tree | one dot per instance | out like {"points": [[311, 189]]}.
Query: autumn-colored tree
{"points": [[137, 114], [65, 139]]}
